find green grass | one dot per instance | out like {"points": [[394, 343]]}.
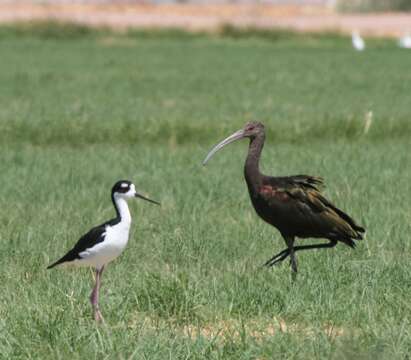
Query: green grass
{"points": [[373, 5], [78, 113]]}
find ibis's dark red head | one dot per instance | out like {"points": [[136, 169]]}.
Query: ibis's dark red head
{"points": [[250, 130]]}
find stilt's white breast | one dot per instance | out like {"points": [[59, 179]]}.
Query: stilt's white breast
{"points": [[115, 238], [111, 247]]}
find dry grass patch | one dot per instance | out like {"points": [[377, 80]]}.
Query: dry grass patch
{"points": [[234, 329], [259, 330]]}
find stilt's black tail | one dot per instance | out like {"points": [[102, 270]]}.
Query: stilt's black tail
{"points": [[65, 258], [54, 264], [70, 256]]}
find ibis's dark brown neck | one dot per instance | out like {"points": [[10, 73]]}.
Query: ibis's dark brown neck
{"points": [[251, 169]]}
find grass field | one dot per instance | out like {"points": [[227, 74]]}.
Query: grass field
{"points": [[80, 110]]}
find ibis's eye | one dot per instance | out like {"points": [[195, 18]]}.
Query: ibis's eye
{"points": [[250, 128]]}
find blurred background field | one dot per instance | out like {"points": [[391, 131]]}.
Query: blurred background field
{"points": [[373, 5], [83, 107], [379, 18]]}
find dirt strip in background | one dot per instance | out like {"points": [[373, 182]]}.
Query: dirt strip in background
{"points": [[197, 17]]}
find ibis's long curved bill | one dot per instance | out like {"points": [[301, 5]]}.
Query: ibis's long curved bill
{"points": [[234, 137], [147, 199]]}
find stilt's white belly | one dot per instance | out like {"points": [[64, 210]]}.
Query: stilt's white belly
{"points": [[111, 247]]}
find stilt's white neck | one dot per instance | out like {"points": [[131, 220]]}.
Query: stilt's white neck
{"points": [[122, 209]]}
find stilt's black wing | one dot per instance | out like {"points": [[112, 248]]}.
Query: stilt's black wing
{"points": [[87, 241]]}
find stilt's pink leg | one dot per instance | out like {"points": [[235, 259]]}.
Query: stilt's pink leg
{"points": [[94, 297]]}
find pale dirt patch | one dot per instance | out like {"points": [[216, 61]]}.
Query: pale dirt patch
{"points": [[203, 17], [257, 329], [234, 330]]}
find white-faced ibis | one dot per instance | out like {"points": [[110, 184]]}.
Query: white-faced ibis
{"points": [[292, 204], [103, 243]]}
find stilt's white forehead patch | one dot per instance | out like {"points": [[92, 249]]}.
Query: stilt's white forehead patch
{"points": [[124, 185]]}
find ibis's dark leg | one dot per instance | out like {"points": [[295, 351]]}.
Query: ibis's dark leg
{"points": [[330, 244], [278, 257], [94, 297], [283, 254], [293, 260]]}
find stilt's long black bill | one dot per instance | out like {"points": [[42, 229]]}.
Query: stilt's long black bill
{"points": [[236, 136], [147, 199]]}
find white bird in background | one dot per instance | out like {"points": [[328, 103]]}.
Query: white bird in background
{"points": [[103, 243], [357, 41], [405, 41]]}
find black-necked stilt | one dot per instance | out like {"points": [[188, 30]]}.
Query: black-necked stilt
{"points": [[103, 243]]}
